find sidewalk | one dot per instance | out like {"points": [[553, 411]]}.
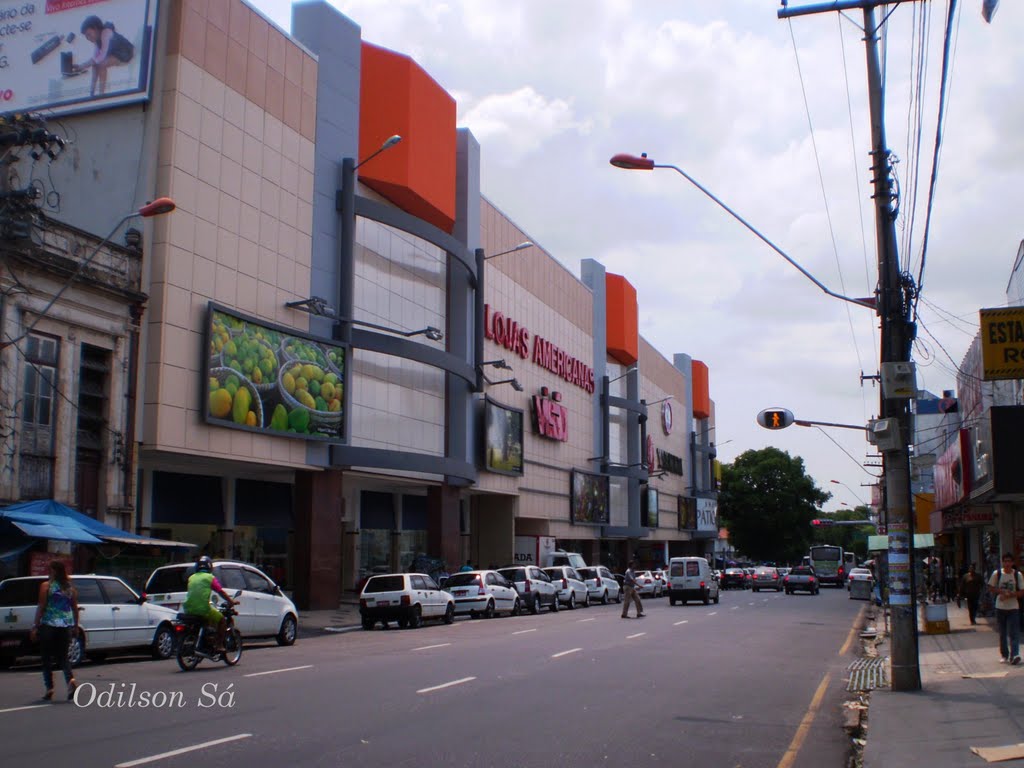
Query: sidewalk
{"points": [[937, 726], [344, 618]]}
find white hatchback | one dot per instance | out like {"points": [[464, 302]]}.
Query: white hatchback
{"points": [[263, 609], [406, 598], [483, 593], [601, 585], [572, 590]]}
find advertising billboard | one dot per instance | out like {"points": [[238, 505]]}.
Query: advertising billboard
{"points": [[589, 502], [503, 438], [686, 511], [271, 379], [650, 507], [73, 55]]}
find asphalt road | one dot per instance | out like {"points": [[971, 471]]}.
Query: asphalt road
{"points": [[756, 681]]}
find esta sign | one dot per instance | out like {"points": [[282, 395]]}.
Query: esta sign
{"points": [[515, 338]]}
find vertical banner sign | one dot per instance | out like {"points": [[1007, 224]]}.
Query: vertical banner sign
{"points": [[899, 565], [67, 55]]}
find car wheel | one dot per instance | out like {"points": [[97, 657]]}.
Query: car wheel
{"points": [[449, 613], [416, 617], [489, 610], [671, 600], [586, 600], [604, 598], [535, 608], [402, 624], [572, 601], [554, 605], [289, 629], [716, 598], [618, 596], [517, 608], [163, 642], [368, 624], [76, 650], [706, 597]]}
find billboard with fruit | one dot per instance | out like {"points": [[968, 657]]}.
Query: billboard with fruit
{"points": [[271, 379]]}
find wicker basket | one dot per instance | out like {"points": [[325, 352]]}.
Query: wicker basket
{"points": [[221, 374], [319, 421]]}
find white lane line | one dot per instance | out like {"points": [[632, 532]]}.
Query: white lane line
{"points": [[428, 647], [565, 653], [580, 621], [460, 681], [19, 709], [713, 613], [275, 671], [524, 631], [680, 622], [750, 603], [638, 634], [735, 607], [182, 751]]}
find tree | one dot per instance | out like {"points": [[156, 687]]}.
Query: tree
{"points": [[767, 501], [852, 538]]}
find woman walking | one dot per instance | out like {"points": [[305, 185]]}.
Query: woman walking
{"points": [[56, 622]]}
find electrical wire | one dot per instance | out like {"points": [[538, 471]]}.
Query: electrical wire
{"points": [[840, 447]]}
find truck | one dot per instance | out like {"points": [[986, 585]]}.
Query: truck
{"points": [[540, 551]]}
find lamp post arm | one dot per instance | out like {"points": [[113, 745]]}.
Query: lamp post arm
{"points": [[807, 423], [765, 240]]}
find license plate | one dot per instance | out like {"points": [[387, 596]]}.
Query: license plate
{"points": [[9, 643], [383, 603], [459, 593]]}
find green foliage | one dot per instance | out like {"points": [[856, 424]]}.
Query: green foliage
{"points": [[851, 538], [767, 501]]}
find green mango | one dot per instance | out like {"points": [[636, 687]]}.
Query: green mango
{"points": [[279, 420], [298, 419]]}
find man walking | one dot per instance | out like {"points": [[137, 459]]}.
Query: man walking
{"points": [[629, 587], [1008, 585], [970, 589]]}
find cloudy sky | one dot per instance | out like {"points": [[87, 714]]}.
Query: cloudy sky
{"points": [[553, 88]]}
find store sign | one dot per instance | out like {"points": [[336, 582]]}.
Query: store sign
{"points": [[1002, 343], [550, 417], [707, 515], [670, 462], [516, 338], [651, 455], [51, 54], [979, 516], [666, 418]]}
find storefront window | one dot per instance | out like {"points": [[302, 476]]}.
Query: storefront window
{"points": [[413, 539], [377, 522]]}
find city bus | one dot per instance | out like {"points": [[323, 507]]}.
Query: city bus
{"points": [[829, 564]]}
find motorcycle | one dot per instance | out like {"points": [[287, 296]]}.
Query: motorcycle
{"points": [[196, 637]]}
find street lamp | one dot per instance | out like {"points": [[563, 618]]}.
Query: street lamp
{"points": [[840, 482], [644, 163], [158, 207], [319, 307], [522, 246]]}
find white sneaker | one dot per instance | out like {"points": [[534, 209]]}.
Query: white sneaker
{"points": [[1003, 660]]}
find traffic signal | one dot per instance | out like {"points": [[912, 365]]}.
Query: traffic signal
{"points": [[775, 418], [822, 522]]}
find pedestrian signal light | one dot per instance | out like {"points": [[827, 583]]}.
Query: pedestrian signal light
{"points": [[775, 418]]}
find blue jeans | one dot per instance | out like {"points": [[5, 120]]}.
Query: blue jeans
{"points": [[1009, 630]]}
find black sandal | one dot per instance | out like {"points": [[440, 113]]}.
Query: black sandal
{"points": [[48, 696], [72, 687]]}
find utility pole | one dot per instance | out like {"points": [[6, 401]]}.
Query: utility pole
{"points": [[894, 308]]}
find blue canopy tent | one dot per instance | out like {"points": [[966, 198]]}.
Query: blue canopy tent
{"points": [[48, 519]]}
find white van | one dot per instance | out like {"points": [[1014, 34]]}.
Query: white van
{"points": [[691, 578], [561, 557]]}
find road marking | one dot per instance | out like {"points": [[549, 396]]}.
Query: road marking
{"points": [[853, 631], [734, 608], [750, 603], [580, 621], [19, 709], [275, 671], [680, 622], [638, 634], [805, 724], [182, 751], [712, 613], [460, 681], [565, 653], [524, 631], [428, 647]]}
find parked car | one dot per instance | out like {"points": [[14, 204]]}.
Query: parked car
{"points": [[534, 587], [734, 578], [483, 593], [601, 584], [406, 598], [784, 572], [859, 574], [691, 578], [767, 578], [647, 585], [661, 575], [113, 618], [801, 579], [263, 609], [572, 590]]}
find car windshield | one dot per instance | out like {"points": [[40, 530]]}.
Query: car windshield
{"points": [[801, 572], [587, 573], [169, 579], [464, 580], [385, 584]]}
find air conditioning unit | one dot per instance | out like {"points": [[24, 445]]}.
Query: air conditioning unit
{"points": [[886, 434], [899, 381]]}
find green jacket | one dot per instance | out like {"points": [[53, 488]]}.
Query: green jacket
{"points": [[200, 587]]}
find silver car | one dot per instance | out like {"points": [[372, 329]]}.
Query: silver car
{"points": [[572, 590], [601, 584], [767, 578], [534, 587]]}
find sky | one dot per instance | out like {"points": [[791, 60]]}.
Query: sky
{"points": [[772, 117]]}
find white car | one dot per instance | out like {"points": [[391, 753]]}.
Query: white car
{"points": [[601, 584], [534, 587], [112, 615], [483, 593], [572, 590], [263, 609], [406, 598], [691, 578], [859, 574], [647, 585]]}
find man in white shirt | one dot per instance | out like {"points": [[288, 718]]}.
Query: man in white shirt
{"points": [[1008, 586]]}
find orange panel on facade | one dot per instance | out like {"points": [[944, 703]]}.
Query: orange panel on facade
{"points": [[397, 97], [924, 505], [701, 390], [622, 319]]}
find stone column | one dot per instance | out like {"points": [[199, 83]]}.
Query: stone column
{"points": [[444, 537], [318, 533]]}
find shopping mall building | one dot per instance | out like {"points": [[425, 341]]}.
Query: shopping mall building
{"points": [[345, 362]]}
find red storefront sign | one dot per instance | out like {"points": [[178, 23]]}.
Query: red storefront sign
{"points": [[516, 339], [549, 415]]}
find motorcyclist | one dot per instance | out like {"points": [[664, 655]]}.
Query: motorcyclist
{"points": [[197, 602]]}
